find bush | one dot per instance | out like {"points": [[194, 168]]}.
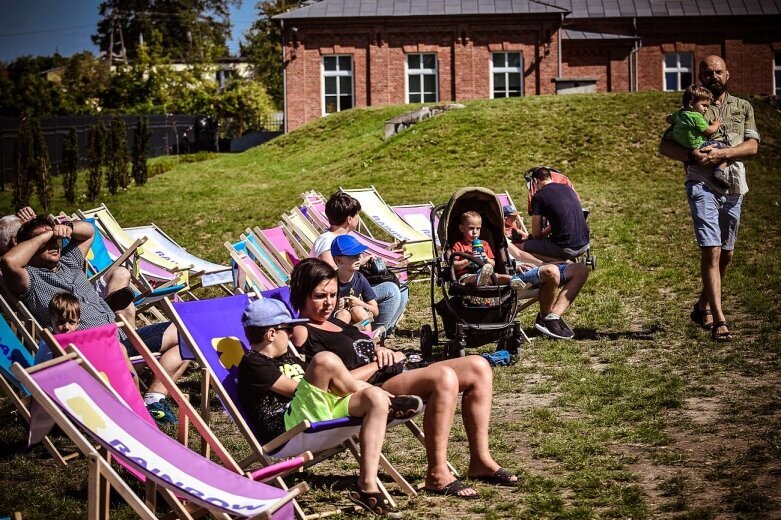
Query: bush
{"points": [[41, 168], [142, 135], [70, 165], [116, 157], [24, 163], [96, 158]]}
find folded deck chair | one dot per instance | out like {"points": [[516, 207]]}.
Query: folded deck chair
{"points": [[13, 351], [300, 228], [416, 244], [212, 331], [264, 258], [166, 247], [247, 274], [67, 394]]}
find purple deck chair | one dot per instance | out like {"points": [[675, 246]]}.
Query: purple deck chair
{"points": [[67, 394]]}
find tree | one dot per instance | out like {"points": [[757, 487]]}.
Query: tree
{"points": [[41, 168], [196, 30], [245, 104], [116, 157], [96, 157], [70, 165], [263, 46], [24, 165], [83, 83], [142, 135]]}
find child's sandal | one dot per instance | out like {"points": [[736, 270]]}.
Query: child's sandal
{"points": [[375, 503], [721, 337]]}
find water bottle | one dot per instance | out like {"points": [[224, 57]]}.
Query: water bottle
{"points": [[477, 248]]}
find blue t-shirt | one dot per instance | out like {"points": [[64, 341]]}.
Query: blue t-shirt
{"points": [[359, 287], [559, 204]]}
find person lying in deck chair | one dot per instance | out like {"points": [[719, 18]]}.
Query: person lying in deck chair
{"points": [[279, 394], [37, 268]]}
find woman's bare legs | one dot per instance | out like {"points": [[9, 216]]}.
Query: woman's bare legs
{"points": [[327, 372]]}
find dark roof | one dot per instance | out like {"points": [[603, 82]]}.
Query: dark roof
{"points": [[577, 8], [375, 8], [571, 34], [653, 8]]}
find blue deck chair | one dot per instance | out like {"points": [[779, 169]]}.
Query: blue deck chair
{"points": [[211, 331]]}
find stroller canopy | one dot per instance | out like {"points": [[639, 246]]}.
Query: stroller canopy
{"points": [[481, 200]]}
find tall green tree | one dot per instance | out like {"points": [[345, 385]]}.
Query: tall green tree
{"points": [[193, 30], [141, 137], [263, 46], [96, 156], [117, 160], [70, 165], [41, 169], [24, 165]]}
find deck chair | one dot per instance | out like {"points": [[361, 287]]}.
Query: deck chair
{"points": [[13, 351], [300, 228], [418, 216], [416, 244], [68, 394], [264, 258], [247, 274], [166, 247], [212, 331], [276, 242]]}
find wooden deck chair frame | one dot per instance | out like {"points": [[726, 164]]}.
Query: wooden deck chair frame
{"points": [[265, 259], [280, 256], [101, 476], [303, 235], [252, 279], [209, 383], [301, 248]]}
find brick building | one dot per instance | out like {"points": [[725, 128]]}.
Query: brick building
{"points": [[340, 54]]}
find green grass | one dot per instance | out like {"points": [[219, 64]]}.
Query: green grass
{"points": [[644, 417]]}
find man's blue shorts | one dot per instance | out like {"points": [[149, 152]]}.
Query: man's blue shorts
{"points": [[532, 276], [716, 217], [152, 335]]}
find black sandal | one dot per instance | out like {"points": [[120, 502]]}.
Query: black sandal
{"points": [[375, 503], [698, 316], [721, 337], [405, 406]]}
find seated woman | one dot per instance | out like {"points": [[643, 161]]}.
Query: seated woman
{"points": [[313, 291]]}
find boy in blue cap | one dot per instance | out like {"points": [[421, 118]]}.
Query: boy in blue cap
{"points": [[357, 301], [278, 392]]}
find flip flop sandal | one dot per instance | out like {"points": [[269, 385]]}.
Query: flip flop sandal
{"points": [[501, 477], [453, 489], [721, 337], [374, 503], [698, 316], [404, 406]]}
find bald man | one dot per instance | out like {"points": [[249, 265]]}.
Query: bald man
{"points": [[716, 210]]}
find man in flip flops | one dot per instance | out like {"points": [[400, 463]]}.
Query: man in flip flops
{"points": [[716, 210]]}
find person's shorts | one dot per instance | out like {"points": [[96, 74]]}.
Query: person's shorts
{"points": [[152, 335], [716, 217], [547, 247], [714, 144], [532, 276], [314, 404]]}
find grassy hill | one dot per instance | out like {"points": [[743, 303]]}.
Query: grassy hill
{"points": [[642, 417]]}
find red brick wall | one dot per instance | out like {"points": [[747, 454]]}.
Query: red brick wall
{"points": [[605, 60], [379, 50]]}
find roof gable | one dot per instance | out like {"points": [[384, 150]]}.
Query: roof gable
{"points": [[397, 8]]}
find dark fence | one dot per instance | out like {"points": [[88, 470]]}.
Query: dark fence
{"points": [[170, 135]]}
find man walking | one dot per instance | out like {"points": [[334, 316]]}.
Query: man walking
{"points": [[716, 210]]}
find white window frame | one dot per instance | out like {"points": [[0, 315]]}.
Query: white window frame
{"points": [[422, 73], [678, 69], [776, 71], [504, 70], [337, 74]]}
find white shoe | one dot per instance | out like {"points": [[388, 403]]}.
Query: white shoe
{"points": [[517, 284], [484, 275]]}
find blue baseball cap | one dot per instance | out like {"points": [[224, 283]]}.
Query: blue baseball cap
{"points": [[268, 312], [346, 245], [509, 209]]}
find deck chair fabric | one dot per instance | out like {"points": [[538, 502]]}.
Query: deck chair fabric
{"points": [[277, 243], [417, 245], [257, 250], [67, 394], [418, 216], [165, 247], [247, 274]]}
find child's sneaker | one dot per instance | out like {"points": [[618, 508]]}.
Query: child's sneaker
{"points": [[161, 412], [517, 284], [484, 275], [721, 178]]}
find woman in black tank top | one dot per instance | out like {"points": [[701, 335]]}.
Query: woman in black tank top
{"points": [[313, 293]]}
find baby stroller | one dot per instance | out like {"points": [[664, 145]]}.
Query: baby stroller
{"points": [[466, 324]]}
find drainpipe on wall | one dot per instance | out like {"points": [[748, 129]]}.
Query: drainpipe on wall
{"points": [[284, 78], [634, 63], [558, 43]]}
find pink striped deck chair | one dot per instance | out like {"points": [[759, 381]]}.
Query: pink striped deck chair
{"points": [[247, 274], [68, 392], [277, 243]]}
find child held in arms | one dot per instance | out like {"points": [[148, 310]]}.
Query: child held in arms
{"points": [[278, 392], [691, 130], [357, 302], [468, 272]]}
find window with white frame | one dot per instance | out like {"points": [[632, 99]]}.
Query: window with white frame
{"points": [[422, 78], [678, 71], [506, 74], [337, 83], [777, 72]]}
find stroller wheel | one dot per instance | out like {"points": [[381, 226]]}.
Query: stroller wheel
{"points": [[426, 341], [454, 349], [593, 263]]}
